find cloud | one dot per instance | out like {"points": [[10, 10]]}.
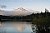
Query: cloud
{"points": [[3, 6]]}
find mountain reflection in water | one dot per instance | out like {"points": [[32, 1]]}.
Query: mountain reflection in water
{"points": [[14, 27]]}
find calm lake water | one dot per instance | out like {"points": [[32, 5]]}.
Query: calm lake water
{"points": [[14, 27]]}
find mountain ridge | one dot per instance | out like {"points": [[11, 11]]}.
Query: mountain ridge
{"points": [[17, 12]]}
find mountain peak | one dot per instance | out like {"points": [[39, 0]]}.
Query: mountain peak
{"points": [[21, 9]]}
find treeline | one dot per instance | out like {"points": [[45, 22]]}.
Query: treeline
{"points": [[41, 17], [42, 21]]}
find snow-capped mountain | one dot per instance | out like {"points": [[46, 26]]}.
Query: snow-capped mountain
{"points": [[17, 12], [21, 12]]}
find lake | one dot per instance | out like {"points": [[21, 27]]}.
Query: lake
{"points": [[16, 27]]}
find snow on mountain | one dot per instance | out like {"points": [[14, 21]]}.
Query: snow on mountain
{"points": [[17, 12], [21, 12]]}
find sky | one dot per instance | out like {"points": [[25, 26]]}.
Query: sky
{"points": [[37, 5]]}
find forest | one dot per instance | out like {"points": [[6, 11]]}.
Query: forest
{"points": [[42, 21]]}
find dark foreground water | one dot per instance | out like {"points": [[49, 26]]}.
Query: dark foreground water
{"points": [[14, 27]]}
